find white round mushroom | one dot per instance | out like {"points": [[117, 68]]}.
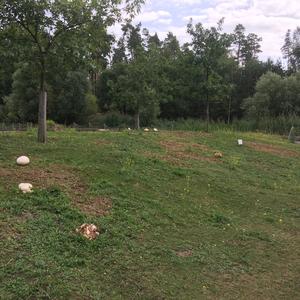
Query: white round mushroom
{"points": [[25, 187], [23, 160], [146, 129], [155, 129]]}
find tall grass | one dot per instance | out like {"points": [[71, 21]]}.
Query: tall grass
{"points": [[279, 125]]}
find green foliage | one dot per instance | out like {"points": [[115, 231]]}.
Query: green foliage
{"points": [[91, 104], [111, 119], [72, 103], [133, 91], [219, 219], [275, 96], [291, 50], [22, 104], [147, 78], [52, 126], [211, 46]]}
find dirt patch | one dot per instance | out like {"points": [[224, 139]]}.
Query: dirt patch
{"points": [[44, 178], [178, 146], [99, 206], [63, 177], [102, 143], [178, 152], [271, 149], [185, 253], [9, 231], [185, 134], [9, 227]]}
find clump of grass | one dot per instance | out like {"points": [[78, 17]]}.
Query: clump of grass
{"points": [[218, 219]]}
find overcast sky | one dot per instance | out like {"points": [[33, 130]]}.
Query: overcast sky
{"points": [[269, 19]]}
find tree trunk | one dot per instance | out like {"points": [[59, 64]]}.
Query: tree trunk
{"points": [[207, 101], [229, 110], [42, 117], [137, 120], [207, 113]]}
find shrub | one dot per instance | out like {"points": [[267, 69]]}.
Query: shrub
{"points": [[111, 119], [52, 126], [91, 104]]}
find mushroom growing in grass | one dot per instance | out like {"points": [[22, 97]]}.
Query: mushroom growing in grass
{"points": [[146, 129], [25, 187], [218, 154], [89, 231], [155, 129], [23, 160]]}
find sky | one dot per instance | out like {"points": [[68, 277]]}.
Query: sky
{"points": [[269, 19]]}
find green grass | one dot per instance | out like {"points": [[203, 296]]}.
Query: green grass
{"points": [[237, 218]]}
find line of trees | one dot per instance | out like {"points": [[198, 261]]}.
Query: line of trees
{"points": [[209, 78], [60, 53]]}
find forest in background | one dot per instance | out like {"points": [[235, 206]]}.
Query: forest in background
{"points": [[136, 79]]}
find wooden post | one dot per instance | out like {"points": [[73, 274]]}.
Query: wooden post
{"points": [[42, 126]]}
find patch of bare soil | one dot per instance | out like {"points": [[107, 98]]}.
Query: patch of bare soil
{"points": [[9, 231], [185, 253], [63, 177], [99, 206], [178, 152], [43, 178], [8, 228], [178, 146], [102, 143], [271, 149], [185, 134]]}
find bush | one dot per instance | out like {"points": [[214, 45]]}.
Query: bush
{"points": [[91, 104], [111, 119], [52, 126]]}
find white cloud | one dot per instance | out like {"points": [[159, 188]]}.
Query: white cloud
{"points": [[150, 16], [269, 19], [165, 21]]}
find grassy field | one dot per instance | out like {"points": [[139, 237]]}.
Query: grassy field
{"points": [[176, 223]]}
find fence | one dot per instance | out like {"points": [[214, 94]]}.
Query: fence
{"points": [[15, 127]]}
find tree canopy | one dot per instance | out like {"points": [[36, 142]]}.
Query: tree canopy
{"points": [[58, 57]]}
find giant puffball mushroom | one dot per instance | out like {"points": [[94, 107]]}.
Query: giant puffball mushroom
{"points": [[155, 129], [146, 129], [23, 160], [89, 231], [25, 187], [218, 154]]}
